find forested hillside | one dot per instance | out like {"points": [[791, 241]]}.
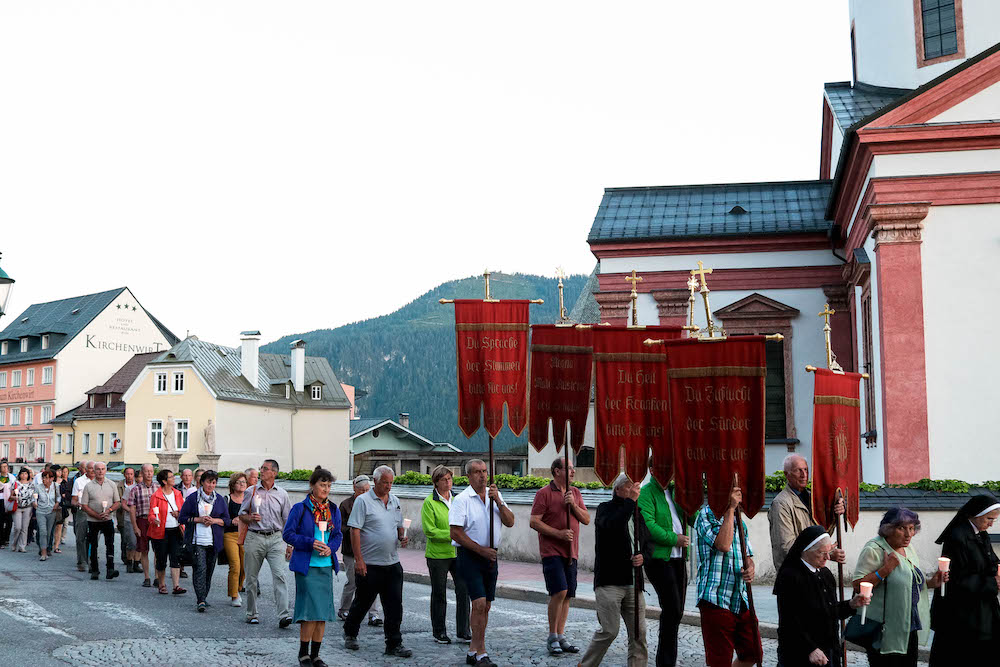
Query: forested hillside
{"points": [[405, 361]]}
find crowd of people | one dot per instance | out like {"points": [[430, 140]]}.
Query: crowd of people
{"points": [[638, 531]]}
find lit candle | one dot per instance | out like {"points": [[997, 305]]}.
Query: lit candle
{"points": [[406, 526], [256, 504], [156, 511], [104, 505], [866, 592], [322, 530], [943, 565]]}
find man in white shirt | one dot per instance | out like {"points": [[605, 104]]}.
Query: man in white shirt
{"points": [[79, 516], [471, 520]]}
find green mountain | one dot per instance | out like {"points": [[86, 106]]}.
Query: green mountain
{"points": [[405, 361]]}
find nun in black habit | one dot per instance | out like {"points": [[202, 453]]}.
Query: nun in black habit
{"points": [[966, 619], [809, 614]]}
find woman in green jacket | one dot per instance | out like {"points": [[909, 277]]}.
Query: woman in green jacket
{"points": [[440, 555]]}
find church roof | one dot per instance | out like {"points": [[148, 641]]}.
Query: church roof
{"points": [[732, 209], [586, 310], [852, 103]]}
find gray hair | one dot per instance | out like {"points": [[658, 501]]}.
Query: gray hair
{"points": [[380, 472], [620, 481], [361, 480], [789, 462], [146, 465], [468, 465], [100, 464], [896, 517], [249, 470]]}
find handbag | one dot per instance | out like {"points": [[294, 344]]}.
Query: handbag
{"points": [[244, 527], [867, 635]]}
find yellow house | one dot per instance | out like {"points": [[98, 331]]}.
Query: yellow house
{"points": [[95, 430], [240, 404]]}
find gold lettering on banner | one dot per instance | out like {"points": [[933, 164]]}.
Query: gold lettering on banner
{"points": [[837, 400], [487, 343], [839, 445], [717, 371], [706, 454], [638, 377], [564, 364], [713, 394]]}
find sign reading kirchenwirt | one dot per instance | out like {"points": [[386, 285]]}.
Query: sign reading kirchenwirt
{"points": [[717, 420]]}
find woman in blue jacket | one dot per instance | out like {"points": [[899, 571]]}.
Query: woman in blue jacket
{"points": [[204, 515], [314, 560]]}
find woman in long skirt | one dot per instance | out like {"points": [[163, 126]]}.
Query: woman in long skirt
{"points": [[313, 530]]}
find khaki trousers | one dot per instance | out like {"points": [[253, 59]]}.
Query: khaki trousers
{"points": [[257, 549], [615, 603]]}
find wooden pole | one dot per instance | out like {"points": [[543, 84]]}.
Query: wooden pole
{"points": [[489, 484], [743, 552], [638, 570], [840, 584], [566, 470]]}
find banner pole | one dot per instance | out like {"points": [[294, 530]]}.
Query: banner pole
{"points": [[840, 585], [566, 470], [492, 545], [743, 552], [638, 569]]}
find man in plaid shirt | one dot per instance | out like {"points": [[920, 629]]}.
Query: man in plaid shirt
{"points": [[137, 505], [727, 624]]}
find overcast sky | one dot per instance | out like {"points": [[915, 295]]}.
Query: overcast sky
{"points": [[289, 166]]}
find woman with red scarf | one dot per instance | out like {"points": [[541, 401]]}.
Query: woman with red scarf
{"points": [[313, 530]]}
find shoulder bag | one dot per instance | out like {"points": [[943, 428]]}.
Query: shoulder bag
{"points": [[244, 527], [867, 635]]}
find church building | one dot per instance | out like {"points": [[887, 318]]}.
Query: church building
{"points": [[900, 234]]}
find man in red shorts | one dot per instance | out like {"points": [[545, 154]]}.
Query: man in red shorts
{"points": [[727, 624]]}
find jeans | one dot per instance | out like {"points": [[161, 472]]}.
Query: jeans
{"points": [[258, 548], [46, 530], [668, 580], [202, 570], [347, 597], [80, 530], [386, 582], [234, 554], [128, 537], [615, 603], [94, 532], [439, 569], [19, 536]]}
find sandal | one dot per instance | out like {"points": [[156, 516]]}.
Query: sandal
{"points": [[179, 591], [57, 551], [162, 590]]}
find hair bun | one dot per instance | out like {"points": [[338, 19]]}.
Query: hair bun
{"points": [[318, 468]]}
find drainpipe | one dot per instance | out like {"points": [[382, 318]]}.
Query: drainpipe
{"points": [[291, 436]]}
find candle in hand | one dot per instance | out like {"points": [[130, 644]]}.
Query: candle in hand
{"points": [[256, 504], [943, 565], [104, 504], [866, 591], [156, 511], [406, 526], [322, 530]]}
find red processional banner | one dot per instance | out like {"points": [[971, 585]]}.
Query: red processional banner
{"points": [[836, 445], [561, 365], [491, 343], [631, 400], [717, 420]]}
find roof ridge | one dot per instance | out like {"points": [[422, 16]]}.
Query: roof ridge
{"points": [[639, 188]]}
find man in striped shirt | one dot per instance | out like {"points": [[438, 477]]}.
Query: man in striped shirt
{"points": [[727, 624]]}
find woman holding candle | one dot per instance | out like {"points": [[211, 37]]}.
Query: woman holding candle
{"points": [[890, 564], [313, 530], [965, 615], [204, 515], [165, 531], [231, 539], [808, 610]]}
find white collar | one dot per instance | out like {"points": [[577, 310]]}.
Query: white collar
{"points": [[809, 565], [975, 531]]}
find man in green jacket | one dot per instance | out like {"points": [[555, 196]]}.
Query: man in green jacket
{"points": [[664, 563], [440, 554]]}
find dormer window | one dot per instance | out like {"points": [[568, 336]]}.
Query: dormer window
{"points": [[317, 392], [91, 400], [45, 341], [108, 400], [24, 344], [288, 391], [3, 347]]}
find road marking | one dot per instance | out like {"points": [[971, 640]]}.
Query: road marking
{"points": [[122, 613], [30, 613]]}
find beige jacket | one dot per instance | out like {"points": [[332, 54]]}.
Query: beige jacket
{"points": [[788, 517]]}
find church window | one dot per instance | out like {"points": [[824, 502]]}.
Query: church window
{"points": [[774, 391], [940, 29]]}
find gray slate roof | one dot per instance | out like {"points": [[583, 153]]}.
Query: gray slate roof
{"points": [[586, 310], [686, 211], [58, 319], [852, 103], [220, 367], [362, 425]]}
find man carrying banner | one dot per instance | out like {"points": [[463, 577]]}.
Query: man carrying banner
{"points": [[727, 623], [559, 546], [790, 512], [472, 528], [664, 564]]}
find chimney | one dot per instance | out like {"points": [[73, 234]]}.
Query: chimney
{"points": [[404, 419], [298, 355], [249, 361]]}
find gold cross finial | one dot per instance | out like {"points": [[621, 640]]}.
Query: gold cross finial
{"points": [[486, 276], [701, 271], [827, 313], [560, 274], [634, 279]]}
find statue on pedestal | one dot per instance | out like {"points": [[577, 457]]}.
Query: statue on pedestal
{"points": [[168, 435], [210, 437]]}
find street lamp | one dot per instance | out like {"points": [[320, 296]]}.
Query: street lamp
{"points": [[6, 286]]}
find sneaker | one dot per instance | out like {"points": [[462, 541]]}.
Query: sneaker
{"points": [[201, 606], [80, 568], [253, 620], [305, 661], [184, 575], [285, 622], [146, 583], [237, 601], [465, 638], [94, 576], [399, 651], [485, 662], [375, 621], [442, 639], [554, 647], [111, 574], [351, 643]]}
